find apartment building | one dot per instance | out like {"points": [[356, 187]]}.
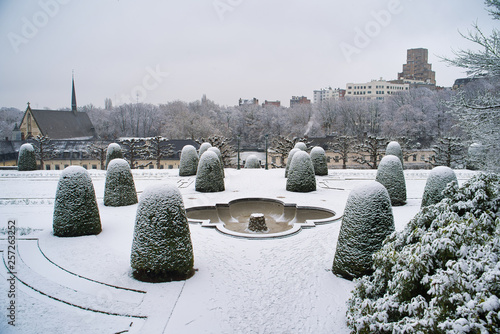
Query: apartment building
{"points": [[325, 94], [374, 90]]}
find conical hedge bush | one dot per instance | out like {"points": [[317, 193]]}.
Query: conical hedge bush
{"points": [[367, 221], [289, 159], [119, 189], [301, 176], [161, 248], [75, 207], [209, 177], [114, 151], [390, 174], [438, 179], [393, 148], [252, 162], [26, 160], [318, 157], [189, 161]]}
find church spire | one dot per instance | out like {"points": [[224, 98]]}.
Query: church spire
{"points": [[73, 96]]}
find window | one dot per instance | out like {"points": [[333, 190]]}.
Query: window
{"points": [[94, 166], [161, 166], [66, 166], [170, 167], [56, 167], [414, 157], [47, 167], [422, 158], [151, 166], [84, 166]]}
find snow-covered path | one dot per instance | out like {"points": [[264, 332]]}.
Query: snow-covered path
{"points": [[241, 286]]}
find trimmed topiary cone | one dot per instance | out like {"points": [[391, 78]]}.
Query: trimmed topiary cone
{"points": [[301, 146], [318, 157], [189, 161], [219, 155], [289, 159], [203, 148], [209, 177], [301, 174], [161, 249], [438, 179], [26, 160], [390, 174], [393, 148], [252, 162], [114, 151], [367, 221], [75, 207], [119, 189]]}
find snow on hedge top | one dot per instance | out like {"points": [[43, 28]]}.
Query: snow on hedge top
{"points": [[114, 151], [209, 176], [189, 161], [301, 176], [438, 179], [119, 189], [26, 147], [301, 146], [289, 159], [318, 158], [252, 162], [118, 165], [203, 148], [395, 149]]}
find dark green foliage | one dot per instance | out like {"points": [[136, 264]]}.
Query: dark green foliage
{"points": [[393, 148], [209, 177], [367, 221], [301, 176], [189, 161], [75, 207], [318, 158], [119, 189], [161, 250], [114, 151], [436, 183], [390, 174], [27, 158]]}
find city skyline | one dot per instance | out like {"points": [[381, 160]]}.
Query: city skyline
{"points": [[159, 52]]}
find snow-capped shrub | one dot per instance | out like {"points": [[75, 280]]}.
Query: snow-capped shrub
{"points": [[390, 174], [161, 248], [27, 159], [367, 221], [189, 161], [438, 179], [477, 155], [289, 159], [119, 189], [393, 148], [75, 207], [114, 151], [209, 177], [203, 148], [301, 146], [219, 155], [441, 273], [252, 162], [301, 176], [318, 157]]}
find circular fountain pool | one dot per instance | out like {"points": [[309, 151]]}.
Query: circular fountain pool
{"points": [[281, 218]]}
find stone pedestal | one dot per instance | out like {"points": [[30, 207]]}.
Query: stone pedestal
{"points": [[257, 223]]}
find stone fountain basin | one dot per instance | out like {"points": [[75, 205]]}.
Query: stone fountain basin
{"points": [[282, 219]]}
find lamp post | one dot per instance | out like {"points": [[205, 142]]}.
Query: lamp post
{"points": [[266, 151], [238, 164]]}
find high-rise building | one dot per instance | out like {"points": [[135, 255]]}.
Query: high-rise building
{"points": [[328, 94], [417, 67]]}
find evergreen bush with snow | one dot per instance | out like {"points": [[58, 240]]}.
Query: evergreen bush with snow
{"points": [[438, 179], [441, 273], [219, 155], [366, 223], [318, 157], [301, 146], [252, 162], [209, 177], [189, 161], [27, 159], [114, 151], [75, 207], [203, 148], [390, 174], [289, 159], [119, 189], [393, 148], [301, 176], [161, 249]]}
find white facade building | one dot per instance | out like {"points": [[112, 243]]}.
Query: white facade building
{"points": [[328, 94], [374, 90]]}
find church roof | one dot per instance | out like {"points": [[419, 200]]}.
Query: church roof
{"points": [[62, 124]]}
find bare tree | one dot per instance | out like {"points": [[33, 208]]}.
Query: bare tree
{"points": [[448, 151], [371, 147], [134, 150], [159, 148], [44, 149], [223, 144], [97, 150], [343, 146]]}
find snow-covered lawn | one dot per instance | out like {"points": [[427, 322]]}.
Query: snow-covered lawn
{"points": [[69, 285]]}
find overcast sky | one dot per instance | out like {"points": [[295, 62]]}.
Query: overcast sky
{"points": [[164, 50]]}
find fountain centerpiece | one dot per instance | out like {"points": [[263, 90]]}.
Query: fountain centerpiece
{"points": [[259, 218]]}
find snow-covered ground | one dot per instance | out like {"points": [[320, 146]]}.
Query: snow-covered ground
{"points": [[84, 284]]}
